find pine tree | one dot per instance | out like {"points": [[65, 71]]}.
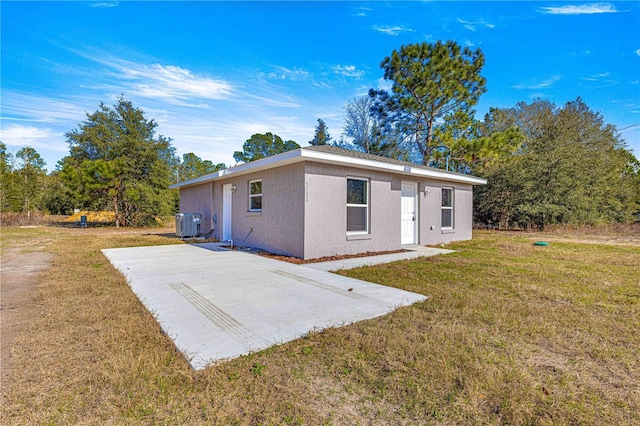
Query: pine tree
{"points": [[116, 162], [321, 136], [261, 146], [434, 89]]}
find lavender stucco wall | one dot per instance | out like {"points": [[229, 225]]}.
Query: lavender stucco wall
{"points": [[304, 210], [326, 213], [279, 227], [198, 199], [431, 231]]}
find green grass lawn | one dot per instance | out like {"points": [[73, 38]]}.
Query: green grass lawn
{"points": [[511, 334]]}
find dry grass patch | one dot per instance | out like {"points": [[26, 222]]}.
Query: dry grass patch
{"points": [[542, 335], [511, 334]]}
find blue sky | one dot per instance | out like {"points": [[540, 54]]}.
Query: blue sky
{"points": [[214, 73]]}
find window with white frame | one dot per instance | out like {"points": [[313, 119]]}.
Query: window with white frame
{"points": [[357, 205], [447, 208], [255, 195]]}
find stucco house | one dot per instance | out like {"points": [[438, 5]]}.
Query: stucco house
{"points": [[324, 201]]}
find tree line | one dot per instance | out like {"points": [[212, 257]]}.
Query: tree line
{"points": [[116, 162], [545, 164]]}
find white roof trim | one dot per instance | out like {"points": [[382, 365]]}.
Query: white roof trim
{"points": [[390, 167], [253, 166], [300, 154]]}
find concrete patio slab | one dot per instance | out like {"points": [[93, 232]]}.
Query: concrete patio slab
{"points": [[218, 304], [412, 252]]}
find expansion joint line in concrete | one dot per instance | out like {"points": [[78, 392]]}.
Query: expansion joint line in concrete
{"points": [[218, 317], [321, 285]]}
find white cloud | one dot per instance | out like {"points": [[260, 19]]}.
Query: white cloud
{"points": [[544, 84], [638, 52], [597, 77], [169, 83], [173, 83], [105, 4], [283, 102], [347, 71], [362, 11], [584, 9], [393, 30], [285, 73], [18, 135], [273, 76], [384, 84], [38, 109], [472, 25], [322, 85]]}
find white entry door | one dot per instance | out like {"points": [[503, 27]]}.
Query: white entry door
{"points": [[409, 213], [227, 193]]}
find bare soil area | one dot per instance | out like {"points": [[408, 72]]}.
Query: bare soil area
{"points": [[622, 240], [620, 234], [22, 263], [18, 274], [298, 261]]}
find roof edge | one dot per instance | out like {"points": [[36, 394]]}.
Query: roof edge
{"points": [[302, 154], [405, 169], [261, 164]]}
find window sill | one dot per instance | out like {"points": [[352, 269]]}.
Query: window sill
{"points": [[254, 214], [447, 230], [355, 237]]}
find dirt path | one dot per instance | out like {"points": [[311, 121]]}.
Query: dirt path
{"points": [[18, 270]]}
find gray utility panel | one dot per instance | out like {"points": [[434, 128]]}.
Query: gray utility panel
{"points": [[188, 224]]}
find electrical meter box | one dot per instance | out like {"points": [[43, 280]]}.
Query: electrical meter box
{"points": [[188, 224]]}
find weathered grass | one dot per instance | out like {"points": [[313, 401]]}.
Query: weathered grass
{"points": [[28, 219], [511, 334]]}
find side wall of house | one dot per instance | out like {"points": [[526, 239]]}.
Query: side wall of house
{"points": [[279, 227], [197, 199], [326, 212], [304, 210], [430, 229]]}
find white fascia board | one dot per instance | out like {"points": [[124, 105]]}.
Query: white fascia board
{"points": [[299, 154], [336, 159], [448, 176], [285, 158], [325, 157], [195, 181]]}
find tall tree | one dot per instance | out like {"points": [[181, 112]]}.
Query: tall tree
{"points": [[261, 146], [5, 158], [369, 131], [30, 176], [321, 135], [473, 150], [572, 167], [116, 162], [432, 84], [193, 166], [57, 198], [6, 168]]}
